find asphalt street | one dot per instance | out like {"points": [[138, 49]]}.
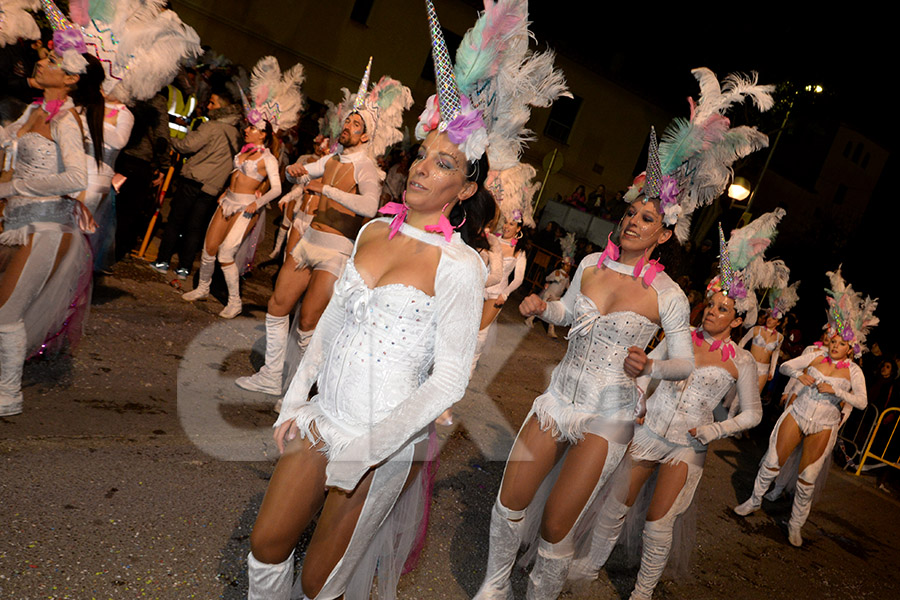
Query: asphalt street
{"points": [[137, 468]]}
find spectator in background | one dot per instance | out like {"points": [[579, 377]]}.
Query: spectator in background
{"points": [[212, 147], [578, 198]]}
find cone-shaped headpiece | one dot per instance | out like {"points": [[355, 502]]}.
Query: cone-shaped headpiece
{"points": [[447, 90], [363, 87], [653, 183]]}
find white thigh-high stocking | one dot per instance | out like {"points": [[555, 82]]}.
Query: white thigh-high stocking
{"points": [[233, 281], [657, 538], [606, 534], [479, 345], [506, 537], [268, 379], [768, 471], [800, 511], [207, 266], [270, 582], [12, 359], [279, 240], [551, 568], [303, 340]]}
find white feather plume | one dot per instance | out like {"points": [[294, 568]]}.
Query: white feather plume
{"points": [[16, 22]]}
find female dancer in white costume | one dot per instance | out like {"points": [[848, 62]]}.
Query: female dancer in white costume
{"points": [[234, 219], [587, 413], [765, 346], [405, 304], [274, 105], [41, 217], [830, 380], [578, 430]]}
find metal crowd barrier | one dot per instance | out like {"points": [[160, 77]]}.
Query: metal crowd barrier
{"points": [[849, 433], [885, 456]]}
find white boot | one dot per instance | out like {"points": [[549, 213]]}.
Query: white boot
{"points": [[657, 543], [505, 539], [479, 346], [768, 471], [551, 330], [606, 534], [800, 511], [12, 359], [268, 379], [233, 281], [270, 582], [207, 266], [551, 568], [279, 241]]}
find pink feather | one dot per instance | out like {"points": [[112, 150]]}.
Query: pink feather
{"points": [[502, 18], [78, 11]]}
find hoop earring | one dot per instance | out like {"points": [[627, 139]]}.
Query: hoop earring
{"points": [[471, 176], [461, 223], [519, 235]]}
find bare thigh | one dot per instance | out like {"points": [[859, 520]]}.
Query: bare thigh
{"points": [[289, 286], [532, 457], [641, 470], [217, 230], [813, 447], [295, 494], [318, 294], [578, 477], [336, 525], [669, 484], [789, 435], [489, 313]]}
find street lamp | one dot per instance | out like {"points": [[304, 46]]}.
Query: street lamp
{"points": [[739, 189]]}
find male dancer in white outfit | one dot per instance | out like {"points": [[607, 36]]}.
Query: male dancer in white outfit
{"points": [[348, 183]]}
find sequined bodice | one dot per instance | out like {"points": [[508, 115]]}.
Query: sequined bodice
{"points": [[813, 405], [677, 406], [382, 353], [36, 156], [591, 375]]}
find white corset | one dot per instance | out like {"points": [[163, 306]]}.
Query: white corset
{"points": [[37, 157], [677, 406], [383, 351], [592, 376], [816, 408]]}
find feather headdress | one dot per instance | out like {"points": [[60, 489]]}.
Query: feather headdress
{"points": [[139, 42], [782, 300], [514, 190], [849, 315], [275, 97], [485, 99], [16, 22], [742, 269], [696, 154], [567, 243], [381, 108]]}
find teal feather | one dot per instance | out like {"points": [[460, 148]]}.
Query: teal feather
{"points": [[680, 141]]}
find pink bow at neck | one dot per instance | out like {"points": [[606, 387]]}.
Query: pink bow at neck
{"points": [[654, 268], [443, 227], [611, 251], [251, 148], [841, 364], [399, 211], [51, 106], [726, 346]]}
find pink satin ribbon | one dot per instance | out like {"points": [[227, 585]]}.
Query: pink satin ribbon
{"points": [[727, 347], [443, 226], [399, 211], [51, 106], [611, 251], [251, 148], [654, 267], [841, 364]]}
